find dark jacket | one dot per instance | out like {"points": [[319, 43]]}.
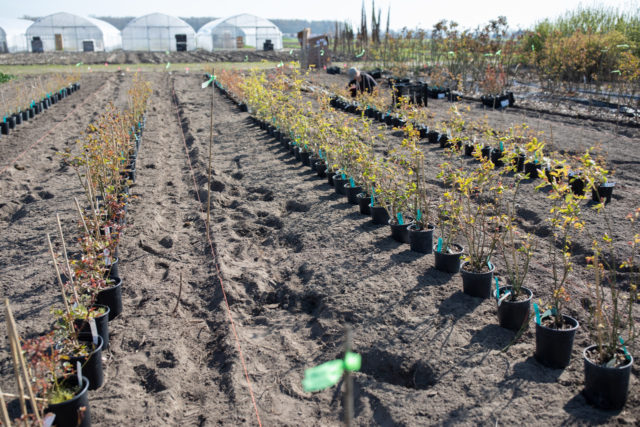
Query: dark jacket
{"points": [[367, 83]]}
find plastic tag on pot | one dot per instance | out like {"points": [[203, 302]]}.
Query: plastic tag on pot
{"points": [[351, 183], [504, 103], [94, 331], [537, 311], [439, 249], [624, 348], [503, 297], [497, 289], [48, 419], [79, 372], [441, 95], [400, 219], [418, 215]]}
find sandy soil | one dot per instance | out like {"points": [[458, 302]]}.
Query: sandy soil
{"points": [[298, 263]]}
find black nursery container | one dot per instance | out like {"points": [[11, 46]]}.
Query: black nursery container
{"points": [[352, 192], [449, 262], [102, 325], [12, 121], [420, 239], [604, 387], [532, 169], [91, 364], [379, 215], [112, 298], [514, 314], [364, 203], [338, 184], [477, 284], [554, 346], [577, 185], [399, 232], [74, 412], [604, 193], [4, 128], [321, 168]]}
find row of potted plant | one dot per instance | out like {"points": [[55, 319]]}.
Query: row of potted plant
{"points": [[24, 99], [476, 205], [64, 364]]}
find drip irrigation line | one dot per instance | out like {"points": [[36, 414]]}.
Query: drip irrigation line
{"points": [[214, 256], [12, 162]]}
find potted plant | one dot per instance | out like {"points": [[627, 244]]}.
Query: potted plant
{"points": [[597, 178], [555, 330], [607, 362], [479, 197], [393, 188], [517, 249], [447, 252]]}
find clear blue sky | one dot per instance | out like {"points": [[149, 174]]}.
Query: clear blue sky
{"points": [[409, 13]]}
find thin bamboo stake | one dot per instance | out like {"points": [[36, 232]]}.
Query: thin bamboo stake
{"points": [[210, 149], [16, 362], [23, 364], [3, 409], [348, 380], [66, 258], [55, 264], [15, 396], [84, 223]]}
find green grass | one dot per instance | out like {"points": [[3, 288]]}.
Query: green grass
{"points": [[290, 43], [178, 67], [5, 77]]}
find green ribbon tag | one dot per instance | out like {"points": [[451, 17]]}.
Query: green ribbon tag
{"points": [[623, 46], [343, 176], [78, 64], [418, 215], [373, 200], [497, 288], [499, 52], [400, 219], [616, 72], [291, 52], [168, 65], [246, 58], [624, 348], [439, 249], [533, 48], [329, 373], [351, 183], [360, 54], [208, 82], [281, 64], [501, 146], [537, 310], [321, 52]]}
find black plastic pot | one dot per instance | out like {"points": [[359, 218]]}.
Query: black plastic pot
{"points": [[297, 152], [32, 112], [606, 388], [399, 232], [420, 239], [477, 284], [17, 120], [486, 151], [102, 325], [292, 147], [364, 203], [112, 298], [91, 364], [312, 162], [433, 137], [468, 149], [518, 162], [605, 191], [304, 157], [74, 412], [577, 185], [338, 184], [321, 168], [4, 128], [496, 157], [449, 262], [379, 215], [532, 169], [25, 116], [444, 141], [352, 192], [553, 346], [114, 269], [329, 174], [513, 314]]}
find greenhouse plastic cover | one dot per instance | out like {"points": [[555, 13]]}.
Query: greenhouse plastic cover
{"points": [[156, 32], [74, 30], [222, 33], [13, 36]]}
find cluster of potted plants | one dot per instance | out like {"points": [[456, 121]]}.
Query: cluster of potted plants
{"points": [[64, 364], [478, 206], [24, 99]]}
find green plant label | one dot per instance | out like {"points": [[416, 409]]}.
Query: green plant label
{"points": [[329, 373], [624, 348], [439, 244], [497, 288], [418, 215], [360, 54], [537, 310], [400, 219], [351, 183]]}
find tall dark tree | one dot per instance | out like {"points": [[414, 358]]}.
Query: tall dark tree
{"points": [[363, 32], [375, 24]]}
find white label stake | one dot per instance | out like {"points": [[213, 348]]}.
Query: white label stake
{"points": [[94, 331]]}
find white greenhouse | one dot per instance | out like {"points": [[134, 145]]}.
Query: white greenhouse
{"points": [[72, 33], [158, 32], [13, 35], [239, 31]]}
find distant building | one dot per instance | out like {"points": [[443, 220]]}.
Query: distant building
{"points": [[237, 32], [13, 35], [158, 32], [66, 32]]}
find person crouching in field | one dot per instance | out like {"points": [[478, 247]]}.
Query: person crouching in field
{"points": [[360, 82]]}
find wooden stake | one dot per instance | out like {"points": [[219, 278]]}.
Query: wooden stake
{"points": [[348, 381], [84, 223], [13, 337], [15, 396], [16, 362], [210, 149], [3, 409], [179, 295], [66, 258], [55, 264]]}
